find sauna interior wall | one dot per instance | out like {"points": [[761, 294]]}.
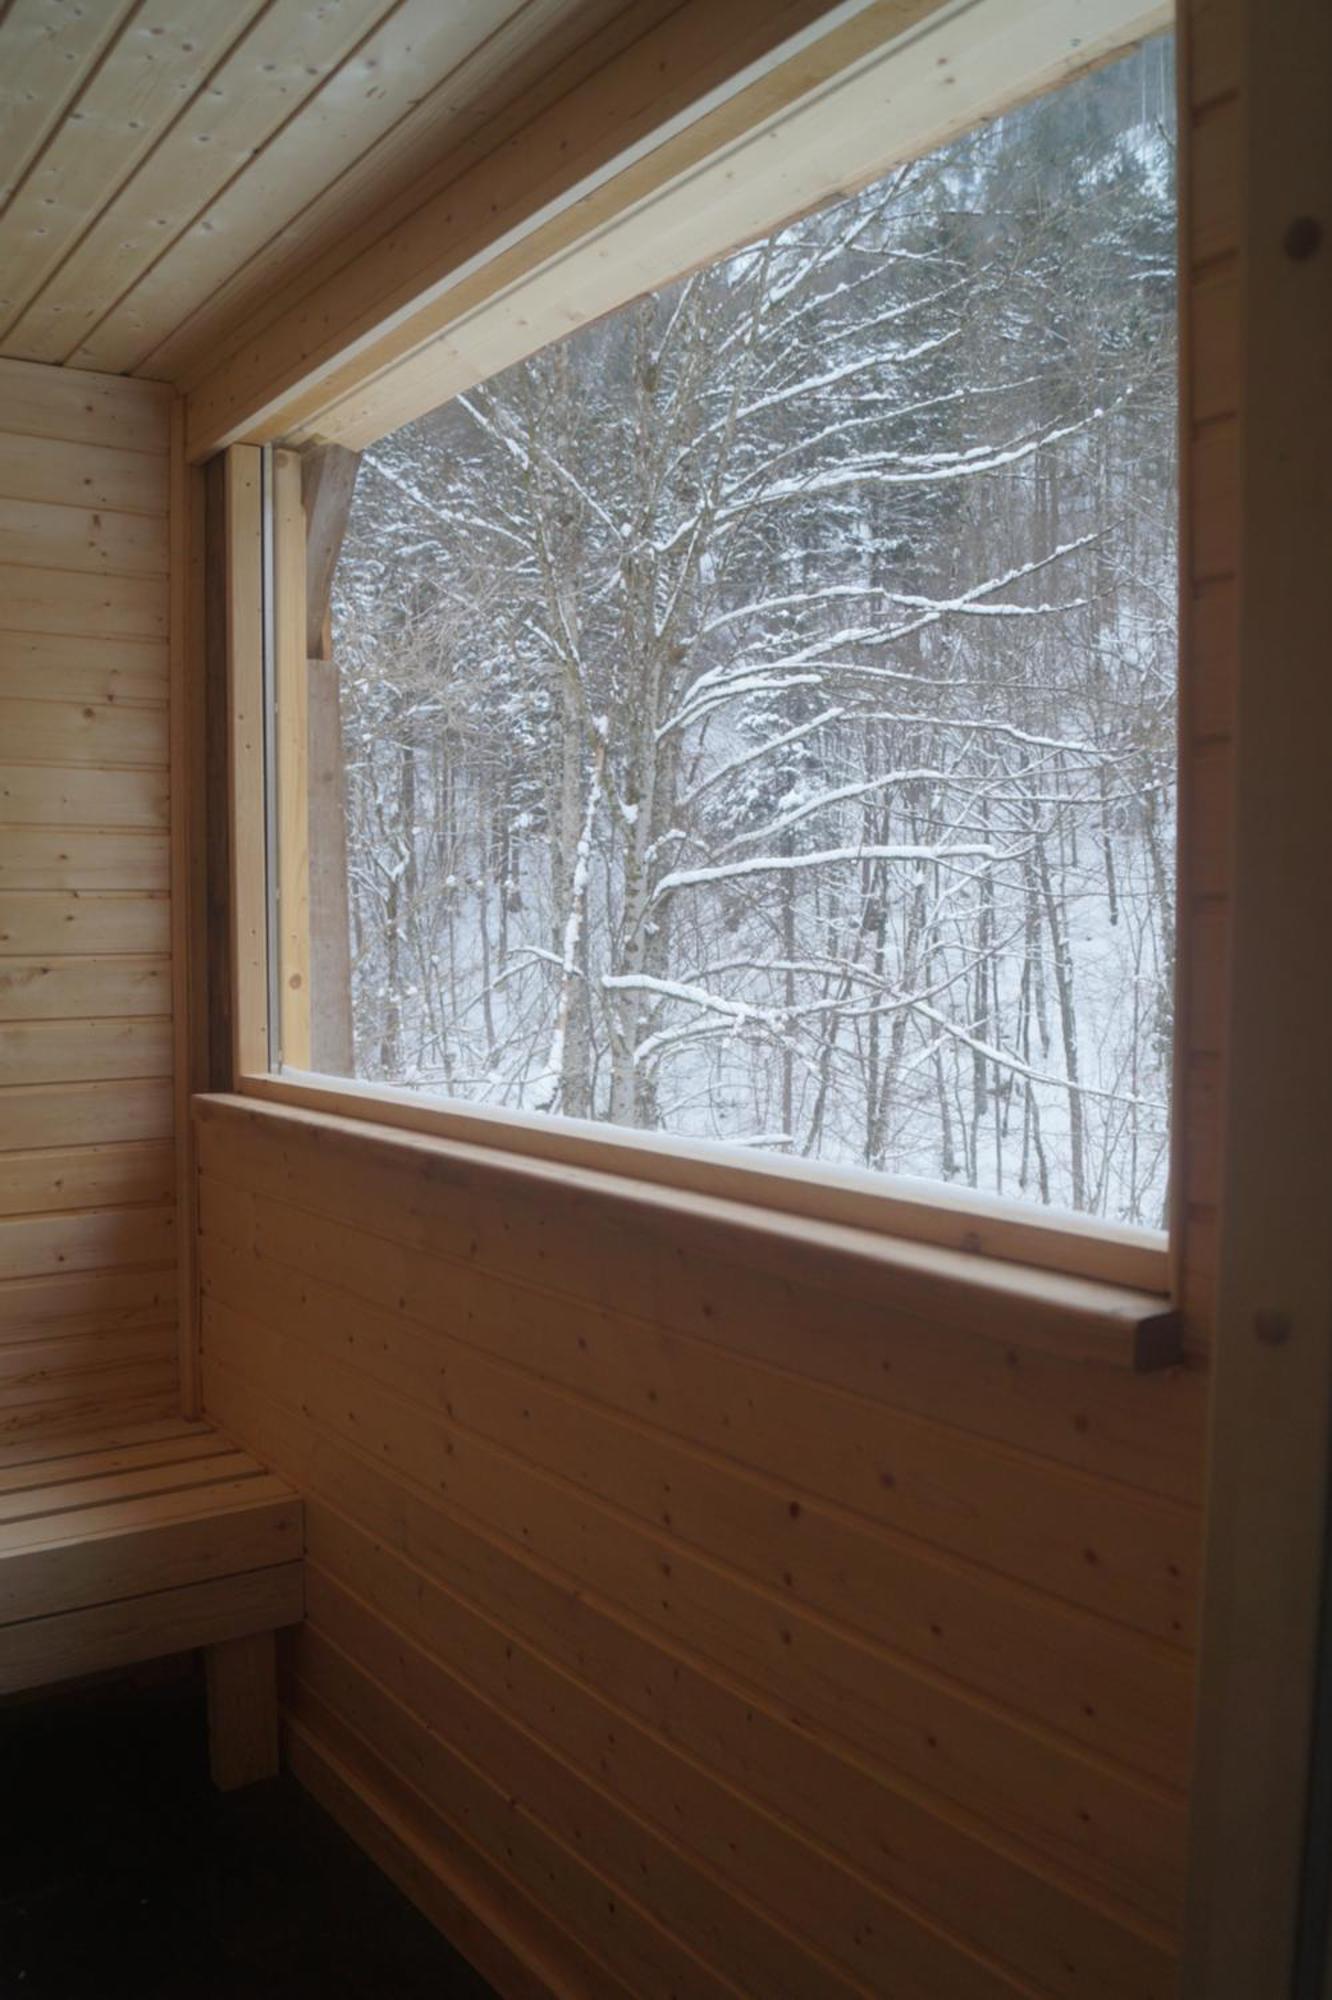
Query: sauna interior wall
{"points": [[689, 1619], [700, 1616], [87, 1278]]}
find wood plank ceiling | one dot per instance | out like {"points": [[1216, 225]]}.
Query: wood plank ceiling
{"points": [[164, 162]]}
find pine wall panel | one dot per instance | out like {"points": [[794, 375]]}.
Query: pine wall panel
{"points": [[690, 1608], [87, 1258], [687, 1618]]}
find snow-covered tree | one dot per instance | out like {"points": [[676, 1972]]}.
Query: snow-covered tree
{"points": [[760, 705]]}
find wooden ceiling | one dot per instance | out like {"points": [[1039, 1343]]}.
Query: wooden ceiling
{"points": [[165, 163]]}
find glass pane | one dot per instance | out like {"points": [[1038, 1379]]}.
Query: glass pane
{"points": [[757, 711]]}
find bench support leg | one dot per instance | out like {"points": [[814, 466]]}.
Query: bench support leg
{"points": [[242, 1710]]}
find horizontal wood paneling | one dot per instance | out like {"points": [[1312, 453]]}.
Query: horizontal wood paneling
{"points": [[80, 538], [33, 921], [814, 1640], [696, 1380], [1035, 1300], [83, 1051], [618, 1868], [96, 1239], [717, 1762], [649, 1960], [875, 1461], [87, 1239], [67, 796], [918, 1725], [82, 409], [943, 1618], [83, 606], [74, 1401], [65, 472], [28, 1370], [63, 989], [80, 1302], [74, 732], [86, 1177], [84, 1113], [501, 1932], [58, 858], [58, 666]]}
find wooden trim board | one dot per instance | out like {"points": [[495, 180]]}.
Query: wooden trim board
{"points": [[1132, 1329], [975, 1226], [40, 1651], [711, 107], [247, 803]]}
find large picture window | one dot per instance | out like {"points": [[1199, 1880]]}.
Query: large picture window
{"points": [[751, 719]]}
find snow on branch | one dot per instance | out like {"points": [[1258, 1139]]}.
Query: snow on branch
{"points": [[769, 748], [838, 795], [769, 864], [922, 469], [1007, 1060]]}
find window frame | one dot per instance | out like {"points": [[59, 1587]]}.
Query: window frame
{"points": [[268, 844]]}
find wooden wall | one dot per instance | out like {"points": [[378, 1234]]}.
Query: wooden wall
{"points": [[687, 1610], [87, 1305], [691, 1614]]}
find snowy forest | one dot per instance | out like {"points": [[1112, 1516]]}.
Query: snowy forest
{"points": [[759, 707]]}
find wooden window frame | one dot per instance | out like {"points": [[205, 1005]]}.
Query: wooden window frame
{"points": [[380, 398]]}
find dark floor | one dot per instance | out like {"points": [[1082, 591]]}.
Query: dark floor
{"points": [[124, 1876]]}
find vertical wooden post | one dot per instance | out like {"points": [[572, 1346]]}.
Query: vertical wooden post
{"points": [[185, 795], [215, 984], [248, 883], [329, 482], [292, 738], [1272, 1395], [331, 1044], [242, 1710]]}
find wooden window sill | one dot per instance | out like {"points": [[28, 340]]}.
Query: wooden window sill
{"points": [[992, 1297]]}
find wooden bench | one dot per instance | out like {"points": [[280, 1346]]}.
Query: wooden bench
{"points": [[125, 1545]]}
